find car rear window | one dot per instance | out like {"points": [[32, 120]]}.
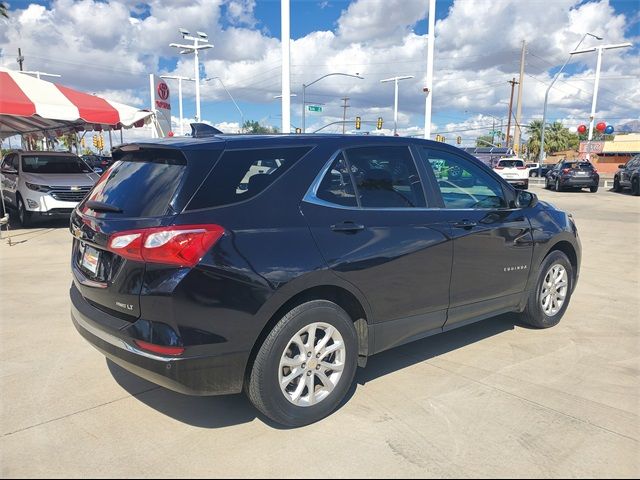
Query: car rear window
{"points": [[141, 183], [579, 165], [511, 163], [243, 174]]}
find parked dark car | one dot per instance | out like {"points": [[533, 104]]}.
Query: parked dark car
{"points": [[572, 175], [535, 170], [628, 176], [349, 246]]}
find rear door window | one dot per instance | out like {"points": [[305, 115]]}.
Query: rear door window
{"points": [[243, 174], [386, 177], [142, 183]]}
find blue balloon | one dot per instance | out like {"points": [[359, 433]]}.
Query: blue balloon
{"points": [[609, 129]]}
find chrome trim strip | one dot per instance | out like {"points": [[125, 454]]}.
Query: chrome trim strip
{"points": [[83, 280]]}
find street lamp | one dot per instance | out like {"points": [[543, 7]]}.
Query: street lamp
{"points": [[598, 49], [304, 88], [395, 105], [232, 99], [201, 42], [180, 79], [546, 98]]}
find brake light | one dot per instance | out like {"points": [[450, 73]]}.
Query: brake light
{"points": [[521, 168], [498, 168], [159, 349], [566, 170], [181, 245]]}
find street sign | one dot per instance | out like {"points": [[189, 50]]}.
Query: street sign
{"points": [[314, 108]]}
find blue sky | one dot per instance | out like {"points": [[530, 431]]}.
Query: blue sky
{"points": [[109, 47]]}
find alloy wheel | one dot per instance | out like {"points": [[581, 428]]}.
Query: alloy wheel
{"points": [[312, 364], [554, 290]]}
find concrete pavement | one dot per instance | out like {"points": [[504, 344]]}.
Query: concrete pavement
{"points": [[490, 399]]}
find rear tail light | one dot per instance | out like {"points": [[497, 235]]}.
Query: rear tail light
{"points": [[498, 168], [159, 349], [595, 170], [521, 168], [180, 245], [566, 170]]}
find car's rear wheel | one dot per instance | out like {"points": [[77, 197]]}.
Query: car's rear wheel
{"points": [[593, 189], [533, 174], [558, 187], [547, 185], [550, 298], [24, 216], [635, 187], [306, 365]]}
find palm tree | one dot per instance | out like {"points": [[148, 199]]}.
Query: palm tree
{"points": [[534, 130], [3, 10]]}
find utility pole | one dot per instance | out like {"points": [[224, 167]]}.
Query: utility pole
{"points": [[513, 86], [285, 41], [344, 113], [517, 132], [20, 58], [428, 88]]}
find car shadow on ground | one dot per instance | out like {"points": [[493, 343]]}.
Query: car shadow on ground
{"points": [[225, 411], [19, 234]]}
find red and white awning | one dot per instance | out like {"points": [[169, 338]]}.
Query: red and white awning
{"points": [[29, 105]]}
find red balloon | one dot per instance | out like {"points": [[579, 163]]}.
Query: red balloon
{"points": [[582, 128], [170, 134], [601, 126]]}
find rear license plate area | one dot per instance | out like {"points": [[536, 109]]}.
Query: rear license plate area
{"points": [[90, 259]]}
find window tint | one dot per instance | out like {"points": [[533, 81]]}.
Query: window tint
{"points": [[9, 161], [336, 186], [53, 164], [242, 174], [141, 184], [386, 177], [464, 184], [511, 163]]}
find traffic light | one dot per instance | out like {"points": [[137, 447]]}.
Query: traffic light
{"points": [[358, 123], [379, 124], [437, 137], [459, 140], [95, 141]]}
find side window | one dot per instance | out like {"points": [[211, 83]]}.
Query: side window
{"points": [[464, 184], [9, 161], [336, 186], [242, 174], [386, 177]]}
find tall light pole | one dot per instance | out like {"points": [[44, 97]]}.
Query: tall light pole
{"points": [[428, 89], [232, 99], [305, 86], [180, 79], [598, 49], [200, 42], [546, 99], [395, 103], [285, 40]]}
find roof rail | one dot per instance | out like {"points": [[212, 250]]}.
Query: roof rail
{"points": [[200, 130]]}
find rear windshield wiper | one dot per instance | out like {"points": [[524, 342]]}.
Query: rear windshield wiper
{"points": [[102, 207]]}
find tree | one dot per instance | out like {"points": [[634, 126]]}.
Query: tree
{"points": [[484, 141], [251, 126], [557, 138]]}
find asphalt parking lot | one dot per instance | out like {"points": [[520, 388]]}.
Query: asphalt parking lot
{"points": [[491, 399]]}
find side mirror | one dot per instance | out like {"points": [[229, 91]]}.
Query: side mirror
{"points": [[526, 199], [622, 165], [9, 171]]}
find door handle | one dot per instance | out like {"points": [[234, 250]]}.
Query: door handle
{"points": [[466, 224], [347, 227]]}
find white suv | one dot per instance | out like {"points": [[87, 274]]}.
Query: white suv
{"points": [[44, 184], [514, 171]]}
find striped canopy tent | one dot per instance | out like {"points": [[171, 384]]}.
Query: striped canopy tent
{"points": [[36, 108]]}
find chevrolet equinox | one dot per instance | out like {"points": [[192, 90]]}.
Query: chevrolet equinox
{"points": [[276, 265]]}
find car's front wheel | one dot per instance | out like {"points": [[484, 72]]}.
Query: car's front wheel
{"points": [[616, 184], [558, 187], [550, 298], [593, 189], [306, 365], [24, 216], [635, 187]]}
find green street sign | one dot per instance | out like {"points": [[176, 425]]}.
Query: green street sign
{"points": [[314, 108]]}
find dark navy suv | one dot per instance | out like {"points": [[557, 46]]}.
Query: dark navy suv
{"points": [[277, 264]]}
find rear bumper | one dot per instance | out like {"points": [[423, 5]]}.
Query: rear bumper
{"points": [[196, 375], [579, 182]]}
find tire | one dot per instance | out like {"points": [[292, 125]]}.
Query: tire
{"points": [[593, 189], [533, 174], [24, 216], [616, 185], [534, 313], [635, 187], [263, 385], [558, 188], [547, 185]]}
